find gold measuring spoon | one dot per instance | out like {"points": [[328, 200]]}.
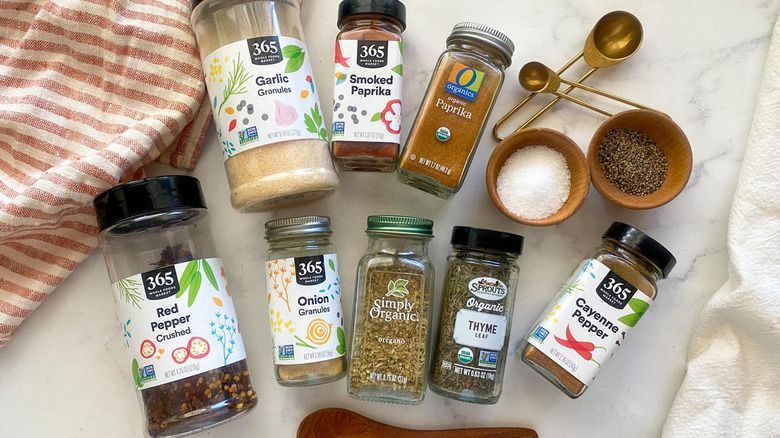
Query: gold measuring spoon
{"points": [[538, 78], [615, 38]]}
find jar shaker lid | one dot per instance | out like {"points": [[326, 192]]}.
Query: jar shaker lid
{"points": [[486, 34], [400, 224], [147, 196], [296, 226], [640, 242], [487, 239], [391, 8]]}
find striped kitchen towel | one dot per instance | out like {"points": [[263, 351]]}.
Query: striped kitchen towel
{"points": [[90, 91]]}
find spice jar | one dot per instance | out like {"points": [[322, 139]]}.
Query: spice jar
{"points": [[390, 335], [367, 92], [176, 316], [266, 110], [304, 301], [455, 109], [592, 313], [476, 315]]}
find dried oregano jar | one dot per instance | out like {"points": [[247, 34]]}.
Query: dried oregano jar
{"points": [[265, 105], [476, 315], [589, 318], [176, 315], [304, 301], [390, 333]]}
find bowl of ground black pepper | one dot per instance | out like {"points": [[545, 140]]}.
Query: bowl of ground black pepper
{"points": [[640, 159]]}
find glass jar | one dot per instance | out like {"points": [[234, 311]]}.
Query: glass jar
{"points": [[265, 106], [173, 303], [304, 302], [390, 334], [604, 298], [476, 315], [367, 91], [455, 109]]}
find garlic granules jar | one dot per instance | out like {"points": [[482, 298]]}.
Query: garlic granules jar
{"points": [[266, 109]]}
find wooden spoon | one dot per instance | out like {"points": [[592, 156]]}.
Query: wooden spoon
{"points": [[342, 423]]}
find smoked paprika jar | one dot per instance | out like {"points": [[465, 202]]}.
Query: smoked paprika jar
{"points": [[455, 109], [176, 316], [601, 302], [367, 90]]}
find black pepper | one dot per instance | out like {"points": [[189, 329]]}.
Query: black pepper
{"points": [[632, 162]]}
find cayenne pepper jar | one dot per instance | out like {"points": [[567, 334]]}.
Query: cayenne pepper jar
{"points": [[476, 315], [266, 110], [367, 92], [304, 301], [455, 109], [592, 313], [392, 313], [184, 348]]}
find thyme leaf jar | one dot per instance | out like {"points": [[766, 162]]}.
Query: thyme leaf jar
{"points": [[304, 302], [184, 350], [590, 316], [477, 303], [392, 313], [265, 105]]}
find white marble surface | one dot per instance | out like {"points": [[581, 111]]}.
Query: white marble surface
{"points": [[64, 374]]}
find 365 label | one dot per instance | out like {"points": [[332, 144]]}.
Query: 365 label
{"points": [[372, 54], [265, 50], [309, 270], [615, 291], [160, 283]]}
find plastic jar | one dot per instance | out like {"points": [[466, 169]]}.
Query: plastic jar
{"points": [[266, 110], [589, 318], [304, 302], [455, 109], [173, 303], [368, 81], [476, 315], [392, 314]]}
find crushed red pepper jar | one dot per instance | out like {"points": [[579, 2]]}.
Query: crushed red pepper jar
{"points": [[366, 132]]}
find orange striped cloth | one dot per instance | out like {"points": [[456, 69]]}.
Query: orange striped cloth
{"points": [[90, 91]]}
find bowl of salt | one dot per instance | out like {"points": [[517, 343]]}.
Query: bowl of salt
{"points": [[538, 177]]}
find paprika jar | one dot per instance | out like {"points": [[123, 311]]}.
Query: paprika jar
{"points": [[455, 109], [366, 131], [184, 350], [266, 110], [304, 301], [476, 315], [392, 313], [603, 299]]}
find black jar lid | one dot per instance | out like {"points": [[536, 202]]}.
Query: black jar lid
{"points": [[391, 8], [147, 196], [640, 242], [487, 239]]}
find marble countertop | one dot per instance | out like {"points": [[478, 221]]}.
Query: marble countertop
{"points": [[65, 374]]}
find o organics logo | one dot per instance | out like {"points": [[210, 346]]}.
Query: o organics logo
{"points": [[464, 81], [488, 288]]}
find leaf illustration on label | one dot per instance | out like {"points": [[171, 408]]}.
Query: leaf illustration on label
{"points": [[210, 274], [398, 69], [376, 117], [284, 114], [314, 122], [295, 57], [630, 319], [638, 306], [194, 288], [401, 47], [186, 277], [340, 335], [136, 376], [332, 265], [391, 286], [397, 288], [237, 77]]}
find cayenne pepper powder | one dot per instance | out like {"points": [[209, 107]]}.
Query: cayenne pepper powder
{"points": [[589, 318], [455, 109], [368, 80]]}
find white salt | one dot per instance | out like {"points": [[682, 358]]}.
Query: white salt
{"points": [[534, 182]]}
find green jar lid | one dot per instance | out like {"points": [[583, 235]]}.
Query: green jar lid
{"points": [[400, 224]]}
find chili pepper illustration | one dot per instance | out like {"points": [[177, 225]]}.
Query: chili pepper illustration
{"points": [[584, 349]]}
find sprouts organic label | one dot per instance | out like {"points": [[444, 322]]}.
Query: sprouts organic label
{"points": [[588, 320], [262, 92], [178, 321], [304, 302], [367, 91]]}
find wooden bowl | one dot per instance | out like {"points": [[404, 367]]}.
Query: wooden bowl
{"points": [[575, 160], [667, 135]]}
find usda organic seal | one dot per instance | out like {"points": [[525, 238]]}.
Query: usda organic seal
{"points": [[465, 355], [443, 133]]}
